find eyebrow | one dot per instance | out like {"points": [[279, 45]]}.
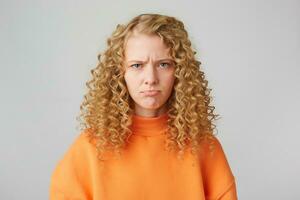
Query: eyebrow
{"points": [[164, 59]]}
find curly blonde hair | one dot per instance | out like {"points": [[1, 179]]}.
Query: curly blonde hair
{"points": [[107, 108]]}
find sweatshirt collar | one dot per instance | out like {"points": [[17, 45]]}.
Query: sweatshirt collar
{"points": [[149, 126]]}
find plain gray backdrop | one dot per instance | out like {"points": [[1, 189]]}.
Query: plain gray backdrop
{"points": [[250, 53]]}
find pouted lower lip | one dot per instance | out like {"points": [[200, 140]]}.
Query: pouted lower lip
{"points": [[150, 93]]}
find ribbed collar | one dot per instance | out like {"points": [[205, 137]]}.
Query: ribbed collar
{"points": [[149, 126]]}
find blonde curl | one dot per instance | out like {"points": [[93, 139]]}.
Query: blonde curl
{"points": [[105, 113]]}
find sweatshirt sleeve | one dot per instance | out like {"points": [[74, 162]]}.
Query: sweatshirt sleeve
{"points": [[218, 179], [70, 177]]}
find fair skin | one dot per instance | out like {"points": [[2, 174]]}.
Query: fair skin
{"points": [[148, 66]]}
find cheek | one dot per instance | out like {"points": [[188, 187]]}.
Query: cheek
{"points": [[130, 81], [170, 80]]}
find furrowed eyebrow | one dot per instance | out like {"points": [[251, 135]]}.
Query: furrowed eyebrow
{"points": [[160, 60]]}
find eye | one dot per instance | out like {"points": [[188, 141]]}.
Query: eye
{"points": [[134, 65], [167, 64]]}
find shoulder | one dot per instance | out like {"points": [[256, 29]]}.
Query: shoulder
{"points": [[210, 146], [76, 155], [76, 151], [78, 146], [212, 154]]}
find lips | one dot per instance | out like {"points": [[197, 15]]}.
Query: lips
{"points": [[150, 92]]}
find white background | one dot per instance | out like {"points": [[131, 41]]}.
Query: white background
{"points": [[250, 53]]}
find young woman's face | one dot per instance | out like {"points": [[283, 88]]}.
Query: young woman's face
{"points": [[148, 66]]}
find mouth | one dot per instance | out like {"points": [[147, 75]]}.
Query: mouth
{"points": [[150, 92]]}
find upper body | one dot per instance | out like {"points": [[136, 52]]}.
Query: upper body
{"points": [[152, 52], [146, 171]]}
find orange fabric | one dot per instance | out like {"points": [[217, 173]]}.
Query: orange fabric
{"points": [[146, 171]]}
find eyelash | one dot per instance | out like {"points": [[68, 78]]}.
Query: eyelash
{"points": [[140, 64]]}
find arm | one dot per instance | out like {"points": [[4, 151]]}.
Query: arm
{"points": [[229, 193], [218, 179], [70, 178]]}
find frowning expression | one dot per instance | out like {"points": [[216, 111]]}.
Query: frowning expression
{"points": [[148, 66]]}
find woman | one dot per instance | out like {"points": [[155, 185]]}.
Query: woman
{"points": [[147, 123]]}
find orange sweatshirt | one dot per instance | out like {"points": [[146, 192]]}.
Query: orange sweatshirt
{"points": [[146, 171]]}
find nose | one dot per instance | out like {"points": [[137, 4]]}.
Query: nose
{"points": [[150, 75]]}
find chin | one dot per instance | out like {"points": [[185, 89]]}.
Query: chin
{"points": [[154, 107]]}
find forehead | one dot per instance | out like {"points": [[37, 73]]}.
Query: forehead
{"points": [[142, 46]]}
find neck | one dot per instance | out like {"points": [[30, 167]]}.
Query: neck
{"points": [[150, 126]]}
